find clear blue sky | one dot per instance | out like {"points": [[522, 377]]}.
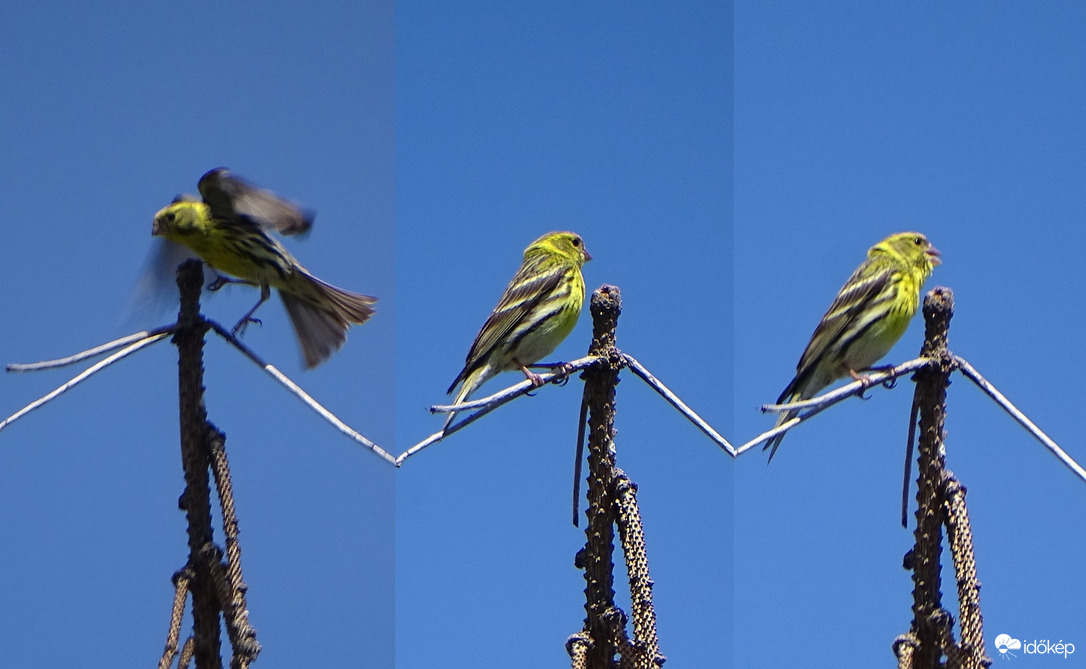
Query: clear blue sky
{"points": [[513, 121], [727, 172], [853, 121], [108, 113]]}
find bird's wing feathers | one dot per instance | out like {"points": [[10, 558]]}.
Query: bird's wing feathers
{"points": [[229, 196], [865, 285], [531, 285]]}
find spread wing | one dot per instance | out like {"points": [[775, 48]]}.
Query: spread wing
{"points": [[229, 196]]}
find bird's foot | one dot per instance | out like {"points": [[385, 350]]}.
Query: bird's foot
{"points": [[865, 382], [536, 379], [239, 327], [561, 373], [221, 281], [888, 383]]}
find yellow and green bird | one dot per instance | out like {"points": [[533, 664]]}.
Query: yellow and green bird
{"points": [[229, 230], [870, 313], [536, 312]]}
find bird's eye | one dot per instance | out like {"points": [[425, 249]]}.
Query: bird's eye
{"points": [[170, 216], [576, 241], [919, 241]]}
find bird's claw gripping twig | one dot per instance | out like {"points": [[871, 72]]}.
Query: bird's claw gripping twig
{"points": [[865, 383], [561, 373], [239, 327]]}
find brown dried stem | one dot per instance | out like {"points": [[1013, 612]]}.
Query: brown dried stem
{"points": [[195, 457], [597, 559], [215, 586], [611, 499], [940, 501], [233, 588], [645, 648], [181, 580]]}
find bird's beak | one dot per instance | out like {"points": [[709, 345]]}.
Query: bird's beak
{"points": [[933, 256], [587, 255], [156, 228]]}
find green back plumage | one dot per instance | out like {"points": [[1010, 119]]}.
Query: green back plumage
{"points": [[868, 316], [536, 312]]}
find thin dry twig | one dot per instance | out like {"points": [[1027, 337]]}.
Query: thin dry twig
{"points": [[826, 400], [820, 403], [428, 441], [91, 352], [646, 376], [490, 403], [301, 394], [142, 339], [83, 376], [514, 391], [872, 379], [973, 375]]}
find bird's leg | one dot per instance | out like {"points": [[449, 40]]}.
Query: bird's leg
{"points": [[221, 281], [888, 383], [856, 376], [265, 293], [536, 379], [561, 370], [865, 382]]}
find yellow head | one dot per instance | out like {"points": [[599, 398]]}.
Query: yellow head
{"points": [[908, 248], [179, 219], [568, 245]]}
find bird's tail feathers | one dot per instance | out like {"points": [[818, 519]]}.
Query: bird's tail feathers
{"points": [[790, 394], [775, 442], [349, 307], [471, 383], [321, 314]]}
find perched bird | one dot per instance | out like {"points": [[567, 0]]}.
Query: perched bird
{"points": [[868, 316], [536, 312], [229, 230]]}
